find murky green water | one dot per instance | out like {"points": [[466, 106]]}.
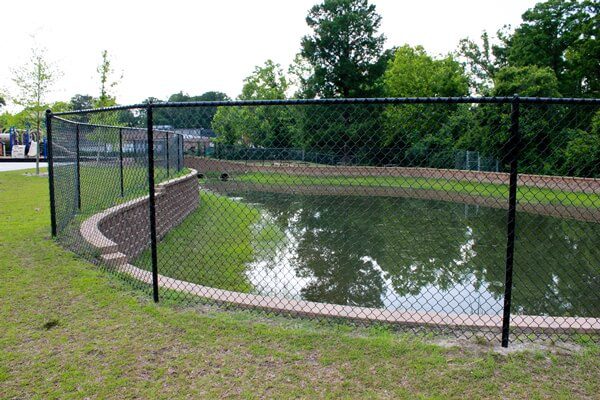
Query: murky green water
{"points": [[423, 255]]}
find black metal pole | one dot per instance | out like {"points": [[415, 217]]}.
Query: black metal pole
{"points": [[515, 144], [78, 167], [121, 162], [179, 152], [152, 204], [167, 147], [51, 172]]}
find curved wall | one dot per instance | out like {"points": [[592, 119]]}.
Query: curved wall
{"points": [[122, 232], [586, 185]]}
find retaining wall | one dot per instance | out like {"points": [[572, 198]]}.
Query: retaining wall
{"points": [[122, 232], [587, 185]]}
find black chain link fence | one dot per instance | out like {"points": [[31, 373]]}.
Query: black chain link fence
{"points": [[474, 216]]}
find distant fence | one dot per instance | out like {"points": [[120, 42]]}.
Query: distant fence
{"points": [[351, 209], [455, 159]]}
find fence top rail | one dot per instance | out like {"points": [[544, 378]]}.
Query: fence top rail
{"points": [[114, 126], [375, 100]]}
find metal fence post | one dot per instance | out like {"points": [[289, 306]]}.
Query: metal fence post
{"points": [[152, 203], [179, 152], [78, 174], [167, 152], [121, 162], [515, 144], [51, 172]]}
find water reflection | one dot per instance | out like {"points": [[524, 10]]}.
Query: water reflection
{"points": [[423, 255]]}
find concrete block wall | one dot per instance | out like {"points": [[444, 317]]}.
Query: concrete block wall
{"points": [[122, 232], [587, 185]]}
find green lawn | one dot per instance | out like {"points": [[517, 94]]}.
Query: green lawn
{"points": [[529, 195], [70, 331], [211, 248]]}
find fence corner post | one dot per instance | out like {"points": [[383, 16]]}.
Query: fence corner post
{"points": [[152, 202], [50, 158], [514, 147]]}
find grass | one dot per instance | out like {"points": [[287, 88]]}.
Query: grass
{"points": [[70, 331], [212, 249], [525, 194]]}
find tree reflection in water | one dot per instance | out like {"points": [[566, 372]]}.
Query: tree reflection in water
{"points": [[423, 255]]}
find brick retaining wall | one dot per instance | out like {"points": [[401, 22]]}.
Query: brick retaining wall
{"points": [[122, 232], [587, 185]]}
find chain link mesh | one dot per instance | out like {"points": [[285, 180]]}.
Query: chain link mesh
{"points": [[370, 211]]}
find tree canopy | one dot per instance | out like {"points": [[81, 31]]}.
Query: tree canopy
{"points": [[345, 49]]}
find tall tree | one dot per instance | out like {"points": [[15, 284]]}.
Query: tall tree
{"points": [[82, 102], [198, 117], [424, 135], [344, 49], [482, 61], [34, 81], [108, 81], [259, 126], [559, 34], [267, 82]]}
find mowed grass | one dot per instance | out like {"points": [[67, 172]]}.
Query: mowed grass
{"points": [[525, 194], [70, 331], [211, 247]]}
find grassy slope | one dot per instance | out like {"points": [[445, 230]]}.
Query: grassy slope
{"points": [[525, 194], [209, 249], [70, 331]]}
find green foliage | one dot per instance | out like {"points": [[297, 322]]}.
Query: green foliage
{"points": [[267, 82], [583, 151], [344, 50], [413, 73], [530, 81], [259, 126], [107, 82], [422, 130], [187, 117], [18, 120], [34, 81], [559, 34], [82, 102], [480, 60]]}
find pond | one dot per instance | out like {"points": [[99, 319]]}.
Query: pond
{"points": [[422, 255]]}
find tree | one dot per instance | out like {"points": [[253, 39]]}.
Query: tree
{"points": [[34, 81], [540, 125], [526, 81], [106, 98], [193, 117], [107, 82], [82, 102], [561, 35], [267, 82], [481, 60], [344, 50], [420, 132], [582, 153], [259, 126]]}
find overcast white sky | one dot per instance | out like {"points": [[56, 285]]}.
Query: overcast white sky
{"points": [[167, 46]]}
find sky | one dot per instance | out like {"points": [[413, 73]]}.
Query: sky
{"points": [[163, 47]]}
